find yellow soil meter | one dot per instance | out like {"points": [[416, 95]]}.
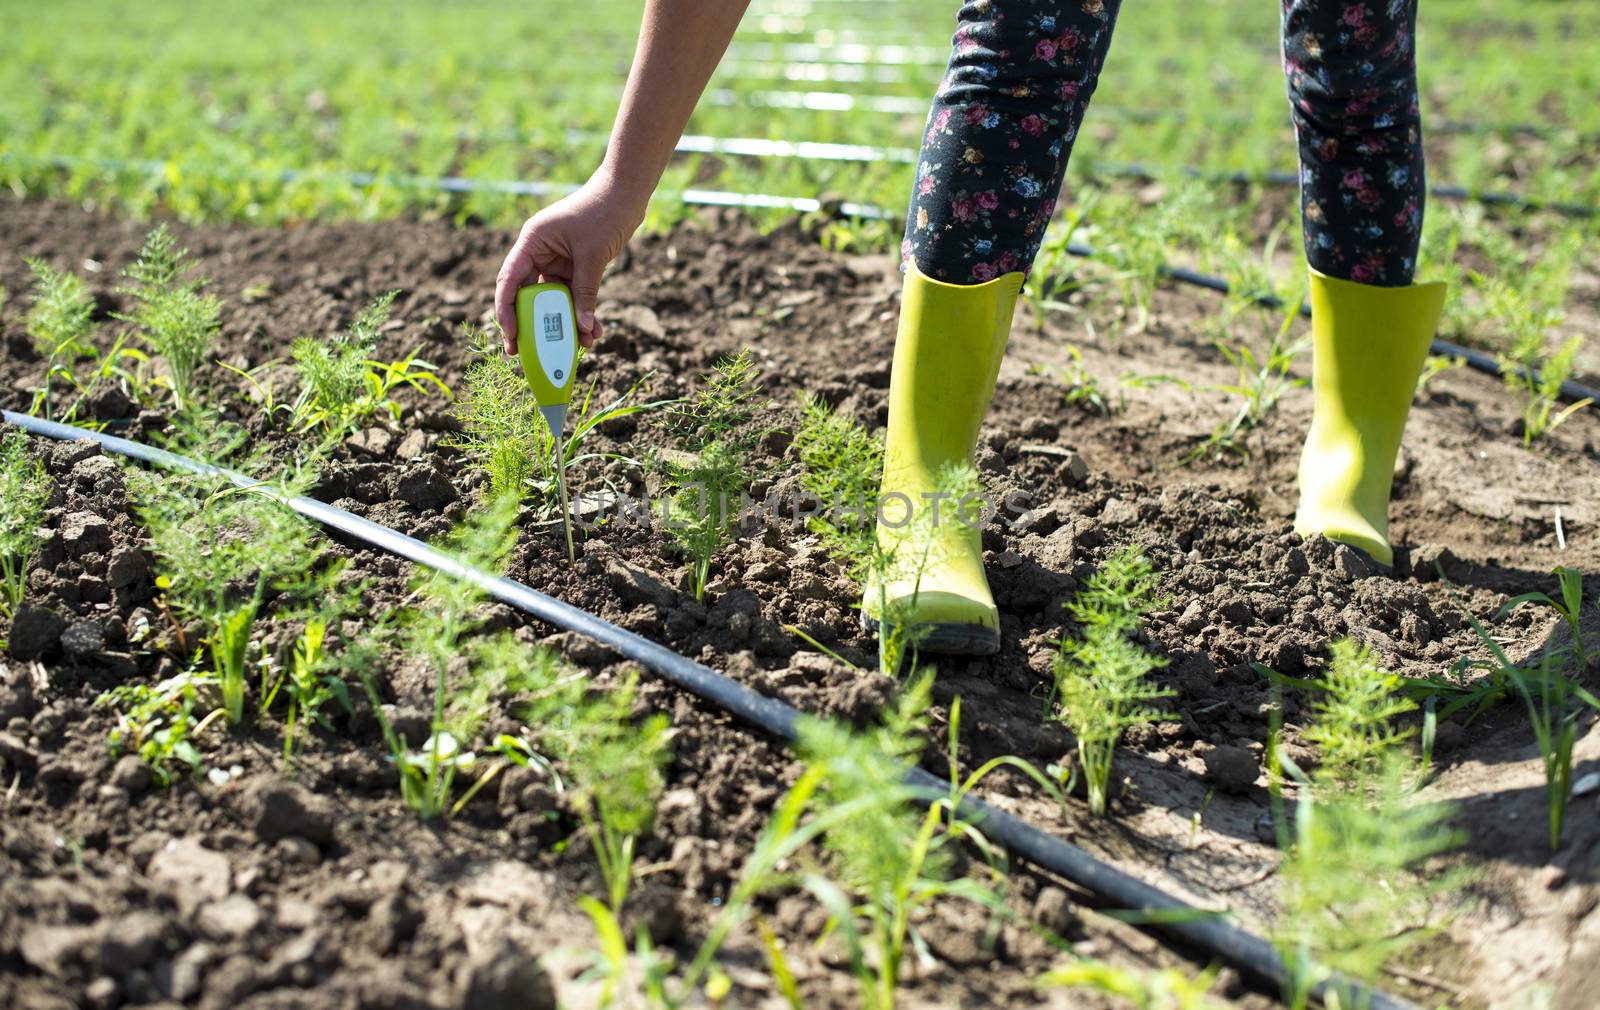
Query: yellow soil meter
{"points": [[547, 343]]}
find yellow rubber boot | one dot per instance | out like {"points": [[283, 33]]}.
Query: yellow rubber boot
{"points": [[946, 359], [1368, 347]]}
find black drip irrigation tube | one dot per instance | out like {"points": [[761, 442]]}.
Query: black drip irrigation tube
{"points": [[1570, 390], [1112, 888]]}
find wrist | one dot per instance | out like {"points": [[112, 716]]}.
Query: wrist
{"points": [[623, 190]]}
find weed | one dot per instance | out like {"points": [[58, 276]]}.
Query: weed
{"points": [[24, 490], [1051, 281], [1549, 695], [171, 316], [312, 676], [1101, 678], [342, 387], [221, 550], [157, 723], [1570, 607]]}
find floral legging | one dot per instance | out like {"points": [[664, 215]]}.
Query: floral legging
{"points": [[1020, 78]]}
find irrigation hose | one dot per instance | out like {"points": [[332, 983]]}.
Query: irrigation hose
{"points": [[1115, 889], [1570, 390]]}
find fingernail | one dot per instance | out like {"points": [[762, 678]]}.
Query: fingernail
{"points": [[586, 320]]}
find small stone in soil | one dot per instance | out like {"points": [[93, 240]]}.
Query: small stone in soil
{"points": [[131, 774], [83, 638], [1233, 769], [277, 809]]}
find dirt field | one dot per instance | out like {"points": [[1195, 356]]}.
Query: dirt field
{"points": [[250, 892]]}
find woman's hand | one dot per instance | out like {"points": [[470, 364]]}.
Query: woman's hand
{"points": [[570, 241]]}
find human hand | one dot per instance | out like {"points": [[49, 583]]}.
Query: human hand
{"points": [[570, 241]]}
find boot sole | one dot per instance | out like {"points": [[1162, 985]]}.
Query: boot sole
{"points": [[950, 639]]}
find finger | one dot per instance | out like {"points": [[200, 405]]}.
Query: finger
{"points": [[585, 296], [513, 272]]}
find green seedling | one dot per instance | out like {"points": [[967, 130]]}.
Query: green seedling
{"points": [[1353, 894], [706, 481], [1436, 365], [311, 676], [170, 315], [842, 466], [1262, 382], [24, 491], [1570, 607], [1551, 698], [220, 550], [1083, 389], [342, 387], [1102, 685], [61, 325], [1354, 708], [1525, 294], [158, 723], [881, 857], [704, 497], [505, 437], [1052, 280]]}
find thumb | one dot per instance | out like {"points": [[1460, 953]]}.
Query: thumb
{"points": [[585, 295]]}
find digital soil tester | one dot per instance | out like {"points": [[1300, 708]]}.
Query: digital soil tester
{"points": [[547, 343]]}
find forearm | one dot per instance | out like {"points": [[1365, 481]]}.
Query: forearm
{"points": [[680, 43]]}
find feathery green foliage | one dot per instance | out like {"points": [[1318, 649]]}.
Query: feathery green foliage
{"points": [[220, 549], [170, 315], [61, 319], [342, 387], [503, 434], [707, 480], [705, 494], [1353, 711], [24, 490], [1168, 989], [842, 468], [722, 409], [61, 325], [1352, 894], [1101, 678], [842, 463]]}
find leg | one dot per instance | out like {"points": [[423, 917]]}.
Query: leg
{"points": [[1352, 74], [996, 147], [1351, 68], [1001, 129]]}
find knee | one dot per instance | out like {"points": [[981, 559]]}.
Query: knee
{"points": [[1357, 71], [1010, 47]]}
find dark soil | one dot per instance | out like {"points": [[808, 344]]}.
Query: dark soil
{"points": [[239, 889]]}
